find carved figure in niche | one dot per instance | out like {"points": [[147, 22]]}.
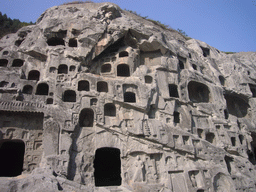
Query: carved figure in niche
{"points": [[139, 175], [151, 170], [10, 133], [171, 162], [193, 179], [75, 118]]}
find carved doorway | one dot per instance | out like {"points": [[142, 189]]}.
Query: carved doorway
{"points": [[107, 166], [12, 157]]}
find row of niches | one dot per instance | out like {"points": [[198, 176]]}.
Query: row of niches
{"points": [[14, 63]]}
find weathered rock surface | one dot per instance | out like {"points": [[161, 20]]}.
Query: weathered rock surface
{"points": [[99, 99]]}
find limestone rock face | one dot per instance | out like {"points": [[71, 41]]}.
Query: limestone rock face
{"points": [[99, 99]]}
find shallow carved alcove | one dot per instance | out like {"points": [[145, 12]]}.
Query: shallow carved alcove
{"points": [[102, 86], [34, 75], [123, 54], [12, 157], [110, 110], [3, 62], [107, 167], [17, 63], [69, 96], [42, 89], [123, 70], [27, 89], [206, 51], [222, 80], [54, 41], [86, 118], [72, 42], [253, 89], [148, 79], [198, 92]]}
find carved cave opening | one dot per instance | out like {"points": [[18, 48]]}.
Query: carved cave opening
{"points": [[176, 117], [63, 69], [206, 51], [222, 80], [236, 106], [42, 89], [83, 85], [27, 89], [251, 153], [129, 97], [123, 70], [72, 42], [106, 68], [34, 75], [253, 89], [182, 62], [110, 110], [12, 157], [173, 90], [86, 118], [17, 63], [72, 68], [210, 137], [198, 92], [123, 54], [54, 41], [107, 165], [3, 62], [148, 79], [102, 86], [69, 96]]}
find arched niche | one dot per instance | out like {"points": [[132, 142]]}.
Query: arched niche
{"points": [[198, 92], [102, 86], [107, 167], [110, 110], [86, 118], [63, 69], [83, 85], [42, 89], [27, 89], [106, 68], [17, 63], [69, 96], [12, 157], [123, 70], [34, 75], [148, 79], [236, 105]]}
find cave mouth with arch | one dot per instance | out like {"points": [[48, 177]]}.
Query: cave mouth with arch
{"points": [[107, 167], [12, 157]]}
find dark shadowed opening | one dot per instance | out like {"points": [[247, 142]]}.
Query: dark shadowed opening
{"points": [[105, 68], [107, 167], [129, 97], [123, 54], [12, 157], [222, 80], [173, 90], [17, 63], [181, 64], [198, 92], [86, 118], [110, 110], [102, 86], [209, 137], [63, 69], [176, 117], [49, 101], [83, 85], [123, 70], [148, 79], [27, 89], [253, 89], [34, 75], [69, 96], [236, 105], [3, 62], [72, 42], [54, 41], [206, 51], [42, 89]]}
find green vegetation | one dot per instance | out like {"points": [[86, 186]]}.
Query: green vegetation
{"points": [[77, 2], [229, 52], [8, 25]]}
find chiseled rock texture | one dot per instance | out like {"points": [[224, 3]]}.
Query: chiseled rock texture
{"points": [[100, 99]]}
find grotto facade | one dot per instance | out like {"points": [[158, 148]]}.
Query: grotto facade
{"points": [[95, 98]]}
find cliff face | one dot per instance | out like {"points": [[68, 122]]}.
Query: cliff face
{"points": [[99, 99]]}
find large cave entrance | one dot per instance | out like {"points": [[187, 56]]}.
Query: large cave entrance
{"points": [[107, 165], [11, 157]]}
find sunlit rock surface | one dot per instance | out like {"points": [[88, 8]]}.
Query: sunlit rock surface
{"points": [[100, 99]]}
